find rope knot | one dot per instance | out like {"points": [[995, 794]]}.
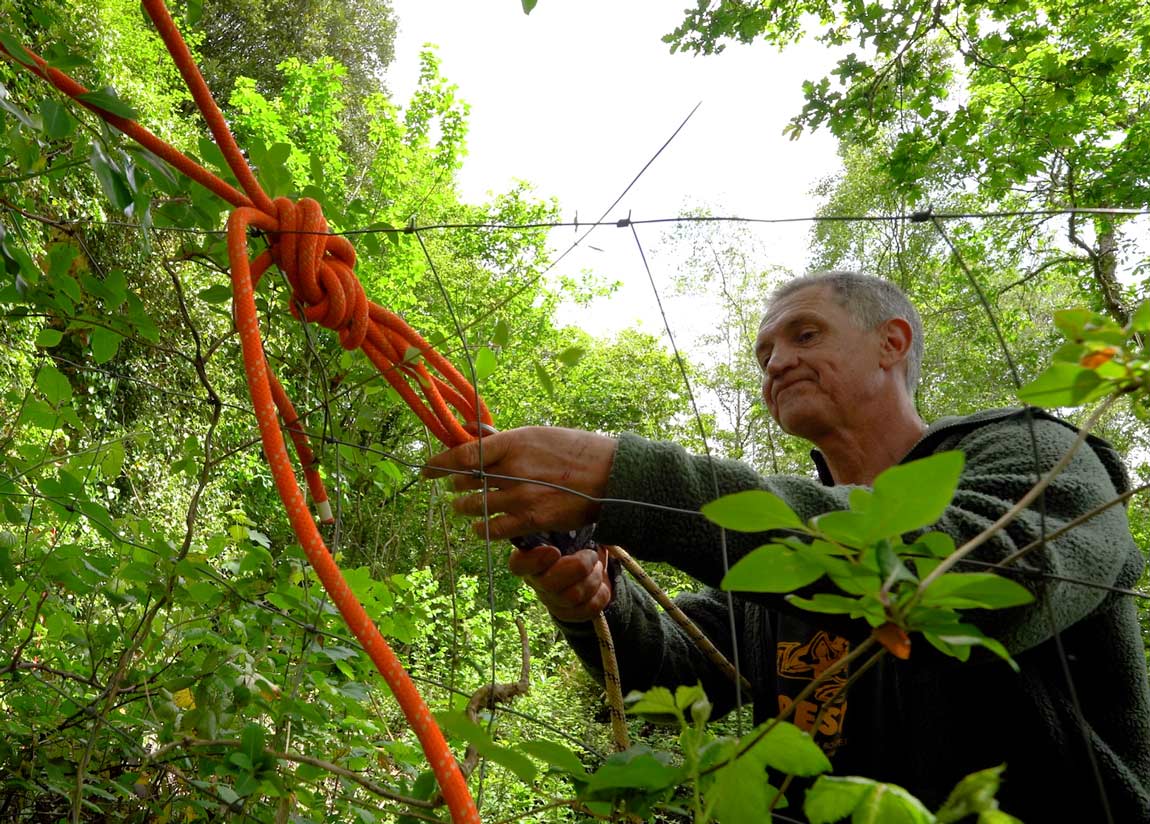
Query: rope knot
{"points": [[321, 270]]}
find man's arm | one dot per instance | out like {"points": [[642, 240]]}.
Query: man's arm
{"points": [[999, 470]]}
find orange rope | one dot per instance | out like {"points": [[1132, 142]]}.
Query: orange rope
{"points": [[320, 269]]}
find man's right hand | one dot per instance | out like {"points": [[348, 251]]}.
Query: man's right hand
{"points": [[573, 587]]}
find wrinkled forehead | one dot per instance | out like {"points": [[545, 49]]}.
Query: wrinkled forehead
{"points": [[810, 299]]}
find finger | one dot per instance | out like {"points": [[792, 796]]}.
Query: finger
{"points": [[484, 503], [532, 562], [599, 600], [571, 575], [507, 526], [466, 457], [470, 481]]}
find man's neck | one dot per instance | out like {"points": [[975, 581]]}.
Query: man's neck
{"points": [[858, 456]]}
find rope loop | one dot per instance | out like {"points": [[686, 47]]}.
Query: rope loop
{"points": [[320, 267]]}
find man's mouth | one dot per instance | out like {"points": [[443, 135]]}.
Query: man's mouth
{"points": [[788, 385]]}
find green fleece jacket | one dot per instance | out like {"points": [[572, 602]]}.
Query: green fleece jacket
{"points": [[926, 722]]}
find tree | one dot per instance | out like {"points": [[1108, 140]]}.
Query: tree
{"points": [[1036, 103], [252, 37], [724, 265]]}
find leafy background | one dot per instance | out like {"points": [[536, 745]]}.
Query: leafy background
{"points": [[164, 652]]}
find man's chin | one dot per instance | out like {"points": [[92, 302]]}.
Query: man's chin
{"points": [[800, 422]]}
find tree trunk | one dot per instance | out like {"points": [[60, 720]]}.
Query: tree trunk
{"points": [[1106, 268]]}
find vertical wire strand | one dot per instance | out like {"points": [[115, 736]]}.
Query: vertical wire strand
{"points": [[714, 479], [488, 551], [1056, 636]]}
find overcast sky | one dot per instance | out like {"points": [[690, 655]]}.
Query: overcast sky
{"points": [[578, 96]]}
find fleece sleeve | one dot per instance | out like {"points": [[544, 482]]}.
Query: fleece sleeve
{"points": [[1070, 575], [1000, 468]]}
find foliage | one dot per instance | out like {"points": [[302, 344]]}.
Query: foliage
{"points": [[1099, 358], [1033, 104], [893, 585], [250, 39], [166, 653], [724, 268]]}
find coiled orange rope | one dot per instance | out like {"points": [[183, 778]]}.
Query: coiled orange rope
{"points": [[319, 267]]}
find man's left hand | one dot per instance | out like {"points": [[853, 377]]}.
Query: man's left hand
{"points": [[566, 461]]}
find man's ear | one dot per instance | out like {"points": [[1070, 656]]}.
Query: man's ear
{"points": [[895, 339]]}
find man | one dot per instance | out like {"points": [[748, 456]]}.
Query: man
{"points": [[840, 356]]}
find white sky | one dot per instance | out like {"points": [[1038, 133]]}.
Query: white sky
{"points": [[576, 97]]}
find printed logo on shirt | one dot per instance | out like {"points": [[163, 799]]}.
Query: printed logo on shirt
{"points": [[800, 662]]}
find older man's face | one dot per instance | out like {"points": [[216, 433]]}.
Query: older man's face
{"points": [[819, 367]]}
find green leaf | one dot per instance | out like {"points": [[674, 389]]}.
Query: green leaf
{"points": [[847, 528], [965, 590], [789, 750], [571, 355], [1063, 384], [1140, 320], [890, 566], [252, 743], [860, 499], [655, 704], [740, 793], [833, 798], [462, 727], [39, 414], [557, 756], [15, 48], [973, 795], [105, 343], [1069, 352], [54, 385], [67, 285], [890, 804], [771, 568], [938, 544], [485, 363], [58, 121], [754, 510], [831, 604], [501, 334], [193, 11], [659, 705], [529, 6], [1071, 322], [111, 179], [108, 101], [544, 380], [47, 338], [59, 57], [965, 637], [636, 768], [219, 293], [913, 495], [113, 460]]}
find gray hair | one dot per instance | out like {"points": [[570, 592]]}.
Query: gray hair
{"points": [[870, 301]]}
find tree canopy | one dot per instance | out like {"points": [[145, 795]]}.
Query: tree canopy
{"points": [[166, 654]]}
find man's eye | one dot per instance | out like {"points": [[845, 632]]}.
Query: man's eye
{"points": [[806, 336]]}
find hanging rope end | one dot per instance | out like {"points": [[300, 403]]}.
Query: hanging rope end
{"points": [[324, 510]]}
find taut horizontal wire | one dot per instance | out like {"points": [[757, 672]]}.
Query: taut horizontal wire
{"points": [[623, 223]]}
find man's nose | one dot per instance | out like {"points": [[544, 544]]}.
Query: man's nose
{"points": [[781, 359]]}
